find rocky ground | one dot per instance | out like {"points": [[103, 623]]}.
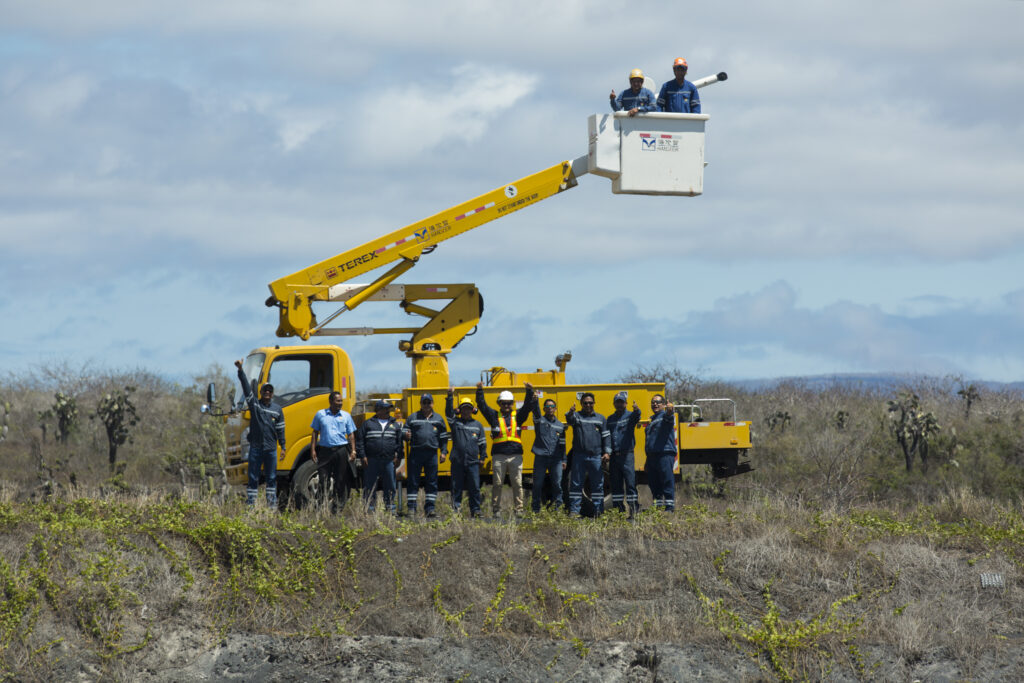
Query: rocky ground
{"points": [[188, 655]]}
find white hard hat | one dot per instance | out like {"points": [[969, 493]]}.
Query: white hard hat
{"points": [[506, 396]]}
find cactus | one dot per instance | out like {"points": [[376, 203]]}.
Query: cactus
{"points": [[5, 408], [65, 409], [118, 415], [911, 426]]}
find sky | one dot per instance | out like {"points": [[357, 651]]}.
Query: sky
{"points": [[863, 206]]}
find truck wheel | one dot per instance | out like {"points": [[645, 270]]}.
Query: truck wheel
{"points": [[721, 470], [305, 485]]}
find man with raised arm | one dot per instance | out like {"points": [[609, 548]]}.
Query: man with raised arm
{"points": [[469, 449], [591, 445], [548, 453], [637, 99], [662, 451], [266, 433], [507, 444], [621, 470]]}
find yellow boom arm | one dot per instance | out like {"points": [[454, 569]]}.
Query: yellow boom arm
{"points": [[295, 293]]}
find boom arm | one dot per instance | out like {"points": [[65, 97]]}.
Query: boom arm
{"points": [[656, 153], [294, 294]]}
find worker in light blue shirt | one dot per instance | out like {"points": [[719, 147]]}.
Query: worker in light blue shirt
{"points": [[332, 449], [679, 95], [637, 99]]}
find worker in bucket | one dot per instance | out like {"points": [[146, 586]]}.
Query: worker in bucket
{"points": [[591, 446], [507, 444], [426, 432], [469, 449], [637, 98], [679, 95], [379, 443], [662, 452], [622, 427]]}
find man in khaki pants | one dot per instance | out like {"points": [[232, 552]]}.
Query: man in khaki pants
{"points": [[507, 444]]}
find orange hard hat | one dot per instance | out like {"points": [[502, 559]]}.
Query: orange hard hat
{"points": [[679, 62]]}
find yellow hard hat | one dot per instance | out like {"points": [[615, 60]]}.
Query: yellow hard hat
{"points": [[636, 73]]}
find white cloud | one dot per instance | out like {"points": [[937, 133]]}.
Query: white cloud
{"points": [[412, 118], [249, 139]]}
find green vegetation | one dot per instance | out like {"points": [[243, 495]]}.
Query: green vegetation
{"points": [[831, 559]]}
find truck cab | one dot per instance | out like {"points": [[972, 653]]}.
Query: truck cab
{"points": [[303, 379]]}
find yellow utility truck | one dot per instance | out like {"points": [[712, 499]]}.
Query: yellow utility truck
{"points": [[652, 154]]}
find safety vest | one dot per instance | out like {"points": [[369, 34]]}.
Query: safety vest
{"points": [[508, 433]]}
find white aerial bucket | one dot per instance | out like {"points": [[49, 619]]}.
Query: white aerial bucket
{"points": [[654, 153]]}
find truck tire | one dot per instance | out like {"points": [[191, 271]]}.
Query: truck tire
{"points": [[722, 470], [306, 488], [305, 485]]}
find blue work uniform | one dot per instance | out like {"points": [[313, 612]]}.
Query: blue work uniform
{"points": [[469, 449], [380, 442], [333, 432], [621, 469], [425, 435], [590, 440], [662, 451], [548, 457], [679, 99], [627, 99], [266, 432]]}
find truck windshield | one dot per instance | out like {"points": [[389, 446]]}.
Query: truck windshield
{"points": [[251, 368]]}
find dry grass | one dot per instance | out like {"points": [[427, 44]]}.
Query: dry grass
{"points": [[828, 561], [805, 593]]}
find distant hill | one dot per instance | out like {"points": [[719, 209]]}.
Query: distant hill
{"points": [[876, 381]]}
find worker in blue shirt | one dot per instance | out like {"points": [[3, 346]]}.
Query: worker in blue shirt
{"points": [[426, 432], [662, 450], [266, 432], [469, 449], [379, 443], [679, 95], [591, 446], [333, 448], [622, 427], [635, 100], [548, 453]]}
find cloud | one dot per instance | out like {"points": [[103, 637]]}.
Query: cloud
{"points": [[856, 150], [842, 336], [413, 118]]}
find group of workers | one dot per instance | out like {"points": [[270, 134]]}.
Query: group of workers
{"points": [[598, 444], [678, 95]]}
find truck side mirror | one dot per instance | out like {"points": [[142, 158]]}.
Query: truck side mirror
{"points": [[211, 393]]}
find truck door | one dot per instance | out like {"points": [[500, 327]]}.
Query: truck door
{"points": [[300, 376]]}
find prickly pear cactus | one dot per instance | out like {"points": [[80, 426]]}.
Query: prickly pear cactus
{"points": [[118, 415], [5, 411]]}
